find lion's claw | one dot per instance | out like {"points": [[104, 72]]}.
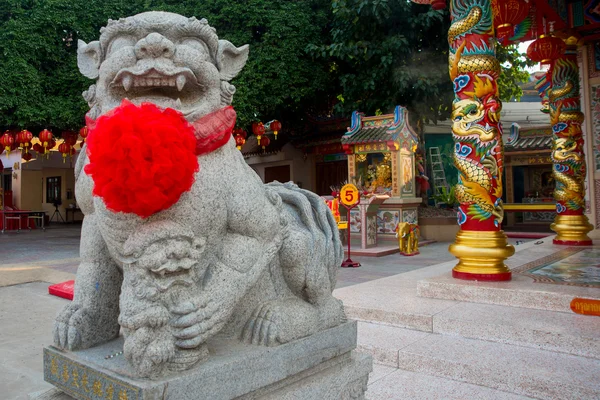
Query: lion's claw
{"points": [[77, 328]]}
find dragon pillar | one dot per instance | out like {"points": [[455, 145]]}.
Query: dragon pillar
{"points": [[571, 225], [481, 246]]}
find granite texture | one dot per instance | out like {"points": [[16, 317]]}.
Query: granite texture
{"points": [[409, 385], [383, 342], [234, 369], [393, 300], [521, 291], [233, 256], [380, 371], [520, 370], [547, 330]]}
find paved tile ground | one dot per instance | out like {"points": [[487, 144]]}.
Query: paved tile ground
{"points": [[27, 311], [58, 248]]}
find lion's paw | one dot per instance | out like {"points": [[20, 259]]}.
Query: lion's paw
{"points": [[280, 321], [76, 327]]}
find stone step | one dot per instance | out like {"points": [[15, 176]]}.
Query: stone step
{"points": [[524, 371], [383, 342], [392, 383], [554, 331], [521, 291]]}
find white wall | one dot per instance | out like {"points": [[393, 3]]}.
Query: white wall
{"points": [[301, 168]]}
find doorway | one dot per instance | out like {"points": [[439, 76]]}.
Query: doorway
{"points": [[280, 173], [329, 174]]}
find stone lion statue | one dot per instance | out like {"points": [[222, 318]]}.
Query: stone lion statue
{"points": [[232, 257]]}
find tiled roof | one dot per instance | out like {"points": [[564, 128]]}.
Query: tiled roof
{"points": [[530, 143], [531, 138], [383, 128], [369, 135]]}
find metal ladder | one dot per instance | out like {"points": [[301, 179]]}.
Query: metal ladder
{"points": [[437, 171]]}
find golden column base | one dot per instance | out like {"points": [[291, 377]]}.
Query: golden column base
{"points": [[481, 255], [572, 230]]}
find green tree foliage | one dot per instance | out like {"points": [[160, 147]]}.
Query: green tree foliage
{"points": [[389, 52], [370, 54], [513, 72], [40, 85]]}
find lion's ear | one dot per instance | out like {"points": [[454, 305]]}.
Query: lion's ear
{"points": [[88, 58], [231, 59]]}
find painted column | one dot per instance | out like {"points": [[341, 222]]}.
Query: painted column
{"points": [[480, 246], [570, 224]]}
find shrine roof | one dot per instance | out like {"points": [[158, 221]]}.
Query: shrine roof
{"points": [[531, 138], [381, 128]]}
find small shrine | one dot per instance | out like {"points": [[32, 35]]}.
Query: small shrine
{"points": [[528, 172], [381, 163]]}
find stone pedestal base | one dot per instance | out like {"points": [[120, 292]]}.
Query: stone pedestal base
{"points": [[320, 366]]}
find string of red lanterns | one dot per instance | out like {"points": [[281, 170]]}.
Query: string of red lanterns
{"points": [[275, 127], [7, 141], [258, 129], [240, 137], [23, 140]]}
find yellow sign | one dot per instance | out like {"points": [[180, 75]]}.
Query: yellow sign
{"points": [[586, 306], [349, 194]]}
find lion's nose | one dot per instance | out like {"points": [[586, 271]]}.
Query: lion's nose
{"points": [[153, 46]]}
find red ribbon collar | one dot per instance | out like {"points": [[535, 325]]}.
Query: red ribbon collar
{"points": [[214, 130]]}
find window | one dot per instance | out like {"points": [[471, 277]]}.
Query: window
{"points": [[53, 194]]}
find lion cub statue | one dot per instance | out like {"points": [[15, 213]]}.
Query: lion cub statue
{"points": [[231, 256]]}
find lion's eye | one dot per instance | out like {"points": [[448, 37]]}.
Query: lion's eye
{"points": [[120, 42]]}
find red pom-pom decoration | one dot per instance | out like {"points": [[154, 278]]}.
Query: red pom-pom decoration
{"points": [[141, 158]]}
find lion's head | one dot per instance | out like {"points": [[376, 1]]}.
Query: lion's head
{"points": [[163, 58]]}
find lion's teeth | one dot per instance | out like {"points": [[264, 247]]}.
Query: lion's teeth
{"points": [[127, 82], [178, 104], [180, 82]]}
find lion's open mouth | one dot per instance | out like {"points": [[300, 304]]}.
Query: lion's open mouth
{"points": [[175, 88]]}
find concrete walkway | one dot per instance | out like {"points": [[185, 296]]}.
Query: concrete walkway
{"points": [[30, 261]]}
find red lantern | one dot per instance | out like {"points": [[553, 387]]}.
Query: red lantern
{"points": [[69, 137], [7, 141], [546, 49], [83, 132], [240, 132], [65, 149], [38, 147], [46, 138], [507, 15], [264, 142], [24, 139], [438, 4], [27, 156], [239, 141], [275, 126], [258, 128]]}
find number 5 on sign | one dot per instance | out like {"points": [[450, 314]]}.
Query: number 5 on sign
{"points": [[349, 194]]}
